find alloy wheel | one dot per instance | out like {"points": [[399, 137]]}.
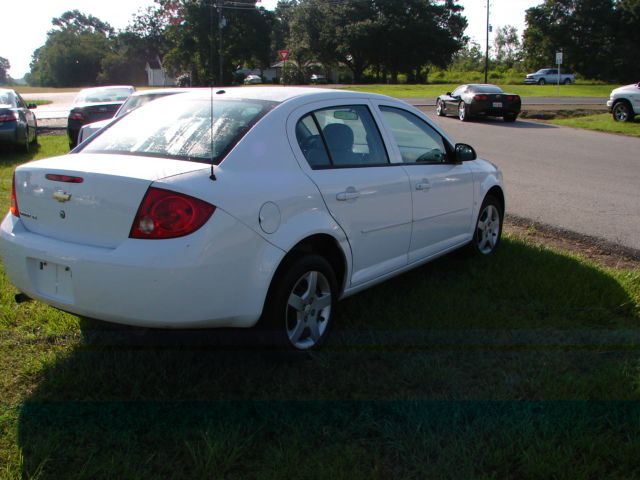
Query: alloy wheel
{"points": [[308, 310], [488, 229]]}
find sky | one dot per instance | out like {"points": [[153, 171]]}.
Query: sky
{"points": [[18, 40]]}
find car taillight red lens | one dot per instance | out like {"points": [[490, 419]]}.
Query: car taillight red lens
{"points": [[166, 214], [15, 211], [513, 98], [8, 117], [76, 116], [480, 97]]}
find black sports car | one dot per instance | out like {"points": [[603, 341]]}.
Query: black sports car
{"points": [[94, 104], [479, 99]]}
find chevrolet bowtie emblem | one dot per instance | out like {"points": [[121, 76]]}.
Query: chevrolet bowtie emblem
{"points": [[61, 196]]}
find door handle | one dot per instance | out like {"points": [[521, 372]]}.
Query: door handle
{"points": [[423, 185], [348, 195]]}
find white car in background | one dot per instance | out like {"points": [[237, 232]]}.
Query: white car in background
{"points": [[136, 100], [624, 103], [250, 205]]}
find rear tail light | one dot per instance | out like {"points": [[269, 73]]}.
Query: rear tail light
{"points": [[513, 98], [76, 116], [481, 97], [54, 177], [166, 214], [8, 117], [15, 211]]}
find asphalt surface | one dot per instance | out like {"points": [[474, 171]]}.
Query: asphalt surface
{"points": [[578, 180]]}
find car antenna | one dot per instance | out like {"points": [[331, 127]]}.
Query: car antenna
{"points": [[213, 174]]}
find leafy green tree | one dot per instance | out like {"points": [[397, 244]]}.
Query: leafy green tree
{"points": [[73, 52], [507, 47], [193, 33], [585, 30], [4, 69]]}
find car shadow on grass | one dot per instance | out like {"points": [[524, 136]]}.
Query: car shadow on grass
{"points": [[505, 367]]}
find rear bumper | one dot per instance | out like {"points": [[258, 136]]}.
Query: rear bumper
{"points": [[216, 277], [480, 109]]}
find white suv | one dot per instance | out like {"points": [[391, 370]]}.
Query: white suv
{"points": [[624, 102]]}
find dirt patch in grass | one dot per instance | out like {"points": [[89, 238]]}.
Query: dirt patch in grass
{"points": [[595, 249]]}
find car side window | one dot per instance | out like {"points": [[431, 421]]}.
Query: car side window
{"points": [[345, 136], [417, 141], [311, 143], [20, 103], [458, 91]]}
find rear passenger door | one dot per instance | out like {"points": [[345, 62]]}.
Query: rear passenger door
{"points": [[442, 190], [341, 149]]}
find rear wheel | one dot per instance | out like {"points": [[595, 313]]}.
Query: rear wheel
{"points": [[27, 143], [488, 231], [301, 304], [567, 81], [440, 110], [463, 114], [542, 81], [622, 112]]}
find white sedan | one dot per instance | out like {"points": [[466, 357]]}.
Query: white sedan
{"points": [[246, 206]]}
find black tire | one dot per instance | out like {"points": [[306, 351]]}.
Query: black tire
{"points": [[488, 228], [26, 148], [542, 81], [567, 81], [510, 118], [622, 112], [463, 113], [440, 109], [35, 134], [302, 328]]}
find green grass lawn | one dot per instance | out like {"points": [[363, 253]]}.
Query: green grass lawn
{"points": [[408, 91], [601, 123], [525, 365]]}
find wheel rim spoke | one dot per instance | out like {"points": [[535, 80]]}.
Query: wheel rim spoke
{"points": [[296, 333], [296, 302], [314, 329], [322, 302], [312, 280]]}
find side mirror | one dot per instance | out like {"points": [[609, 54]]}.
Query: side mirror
{"points": [[31, 106], [465, 153], [448, 93]]}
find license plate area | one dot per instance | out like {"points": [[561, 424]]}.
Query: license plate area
{"points": [[51, 280], [497, 104]]}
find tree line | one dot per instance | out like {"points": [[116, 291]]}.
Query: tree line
{"points": [[372, 40]]}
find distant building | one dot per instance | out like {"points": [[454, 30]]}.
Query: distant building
{"points": [[157, 76]]}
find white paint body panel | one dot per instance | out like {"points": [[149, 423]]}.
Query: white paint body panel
{"points": [[220, 274]]}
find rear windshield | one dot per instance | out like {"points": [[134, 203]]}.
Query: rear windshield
{"points": [[186, 129], [99, 95], [485, 89], [7, 99]]}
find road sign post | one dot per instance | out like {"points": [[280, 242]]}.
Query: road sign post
{"points": [[559, 64], [284, 54]]}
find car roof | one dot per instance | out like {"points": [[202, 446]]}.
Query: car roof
{"points": [[283, 94], [161, 91], [107, 87]]}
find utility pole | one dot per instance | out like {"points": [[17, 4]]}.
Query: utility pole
{"points": [[486, 55], [221, 22]]}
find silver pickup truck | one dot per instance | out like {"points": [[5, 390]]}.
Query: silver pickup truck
{"points": [[549, 75]]}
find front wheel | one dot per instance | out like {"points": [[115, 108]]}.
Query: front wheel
{"points": [[301, 304], [542, 81], [488, 231], [27, 142], [622, 112], [567, 81], [440, 109], [463, 115]]}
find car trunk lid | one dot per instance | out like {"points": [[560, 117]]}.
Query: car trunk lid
{"points": [[90, 199]]}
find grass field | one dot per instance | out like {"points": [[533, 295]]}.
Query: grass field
{"points": [[408, 91], [525, 365], [601, 123]]}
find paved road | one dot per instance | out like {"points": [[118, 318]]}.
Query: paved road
{"points": [[583, 181], [58, 109], [528, 101]]}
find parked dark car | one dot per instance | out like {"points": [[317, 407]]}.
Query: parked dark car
{"points": [[94, 104], [18, 125], [474, 100]]}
